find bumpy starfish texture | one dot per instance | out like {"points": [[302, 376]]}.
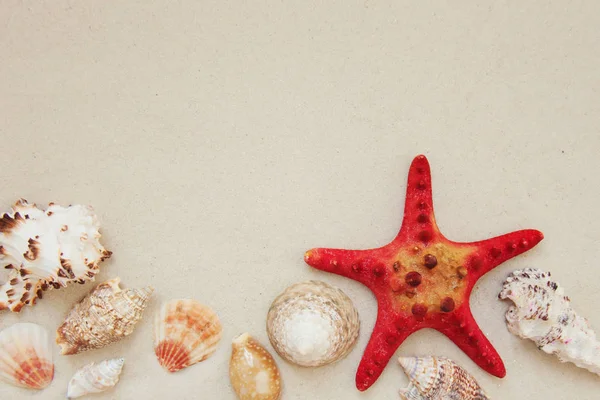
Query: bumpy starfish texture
{"points": [[423, 280]]}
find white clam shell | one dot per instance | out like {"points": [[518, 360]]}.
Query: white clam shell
{"points": [[26, 356], [106, 315], [185, 333], [438, 378], [95, 378], [44, 249], [542, 313], [313, 324], [253, 373]]}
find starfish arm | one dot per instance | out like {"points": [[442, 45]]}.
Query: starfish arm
{"points": [[419, 220], [467, 335], [492, 252], [360, 265], [387, 336]]}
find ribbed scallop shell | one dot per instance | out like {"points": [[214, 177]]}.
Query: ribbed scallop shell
{"points": [[40, 250], [542, 312], [95, 378], [106, 315], [438, 378], [312, 324], [26, 356], [252, 370], [185, 333]]}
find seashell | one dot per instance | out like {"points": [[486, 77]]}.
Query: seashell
{"points": [[47, 249], [104, 316], [185, 333], [252, 370], [438, 378], [312, 324], [542, 312], [95, 378], [26, 356]]}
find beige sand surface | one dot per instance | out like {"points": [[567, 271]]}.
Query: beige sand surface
{"points": [[219, 140]]}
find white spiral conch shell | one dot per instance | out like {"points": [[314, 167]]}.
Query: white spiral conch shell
{"points": [[438, 378], [312, 324], [26, 356], [185, 333], [46, 249], [104, 316], [253, 372], [95, 378], [542, 312]]}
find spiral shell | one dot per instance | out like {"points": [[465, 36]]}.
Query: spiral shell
{"points": [[312, 324], [438, 378], [252, 370], [106, 315], [185, 333], [95, 378], [542, 312], [26, 356], [40, 250]]}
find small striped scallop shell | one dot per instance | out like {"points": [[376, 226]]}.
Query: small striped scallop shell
{"points": [[185, 333], [252, 370], [312, 324], [438, 378], [95, 378], [26, 356]]}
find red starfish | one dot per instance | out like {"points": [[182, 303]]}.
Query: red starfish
{"points": [[423, 280]]}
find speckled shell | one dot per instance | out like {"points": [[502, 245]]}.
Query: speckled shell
{"points": [[438, 378], [312, 324], [253, 372], [104, 316], [26, 356], [47, 249], [95, 378], [185, 333], [542, 312]]}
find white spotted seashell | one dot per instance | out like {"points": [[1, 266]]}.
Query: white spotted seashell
{"points": [[106, 315], [95, 378], [438, 378], [185, 333], [44, 249], [312, 324], [253, 373], [542, 313], [26, 356]]}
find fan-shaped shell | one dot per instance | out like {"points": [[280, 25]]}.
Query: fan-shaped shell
{"points": [[253, 372], [95, 378], [47, 249], [104, 316], [438, 378], [26, 356], [312, 324], [185, 333]]}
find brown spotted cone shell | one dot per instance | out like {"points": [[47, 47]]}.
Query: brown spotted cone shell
{"points": [[185, 333], [26, 356], [45, 249], [106, 315], [253, 372]]}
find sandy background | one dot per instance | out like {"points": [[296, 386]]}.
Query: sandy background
{"points": [[218, 141]]}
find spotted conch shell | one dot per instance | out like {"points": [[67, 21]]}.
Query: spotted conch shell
{"points": [[438, 378], [47, 249], [252, 370], [104, 316], [95, 378], [26, 356], [312, 324], [185, 333], [542, 312]]}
